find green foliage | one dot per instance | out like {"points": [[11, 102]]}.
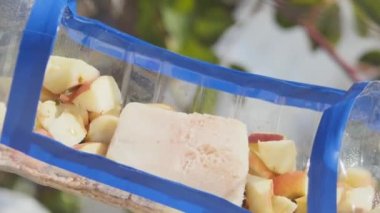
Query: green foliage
{"points": [[283, 21], [149, 24], [361, 21], [371, 58], [306, 2], [329, 23], [191, 27], [371, 8], [8, 180], [238, 67], [57, 201]]}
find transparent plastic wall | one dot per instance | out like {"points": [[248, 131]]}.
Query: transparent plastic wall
{"points": [[145, 86], [358, 183], [13, 16], [140, 85]]}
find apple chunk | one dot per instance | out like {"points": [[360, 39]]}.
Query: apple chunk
{"points": [[67, 129], [256, 165], [115, 112], [77, 111], [291, 185], [46, 112], [283, 205], [259, 194], [102, 128], [301, 204], [102, 96], [92, 148], [64, 73], [357, 199], [278, 156], [358, 177], [3, 110]]}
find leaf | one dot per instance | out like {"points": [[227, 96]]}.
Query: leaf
{"points": [[284, 21], [371, 58], [369, 64], [371, 8], [145, 28], [193, 48], [361, 21], [57, 201], [210, 25], [306, 2], [329, 23], [176, 25], [183, 6], [238, 67]]}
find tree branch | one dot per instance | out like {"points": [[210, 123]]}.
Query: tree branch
{"points": [[317, 37]]}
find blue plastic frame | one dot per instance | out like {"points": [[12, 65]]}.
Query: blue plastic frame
{"points": [[36, 46], [324, 161]]}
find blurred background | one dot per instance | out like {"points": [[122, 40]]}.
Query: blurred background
{"points": [[326, 42]]}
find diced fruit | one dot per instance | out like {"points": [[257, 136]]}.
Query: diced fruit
{"points": [[162, 106], [301, 204], [46, 113], [46, 95], [259, 194], [278, 156], [102, 128], [261, 137], [102, 96], [67, 129], [358, 177], [283, 205], [291, 185], [357, 200], [253, 147], [115, 112], [64, 73], [83, 88], [93, 148], [3, 110], [257, 167], [77, 111]]}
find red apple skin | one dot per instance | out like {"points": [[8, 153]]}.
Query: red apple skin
{"points": [[64, 98], [262, 137], [291, 185], [77, 91], [83, 88], [257, 167]]}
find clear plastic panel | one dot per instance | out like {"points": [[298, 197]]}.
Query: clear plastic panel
{"points": [[140, 85], [358, 189], [13, 17], [299, 125]]}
